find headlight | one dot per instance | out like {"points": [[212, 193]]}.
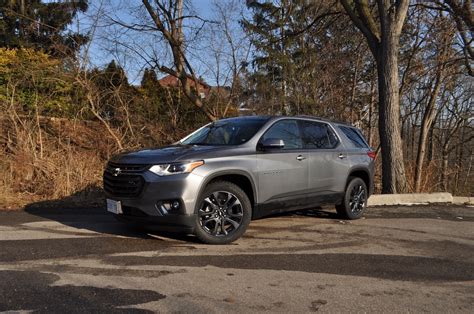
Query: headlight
{"points": [[175, 168]]}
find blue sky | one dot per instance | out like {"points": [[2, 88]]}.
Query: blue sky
{"points": [[130, 49]]}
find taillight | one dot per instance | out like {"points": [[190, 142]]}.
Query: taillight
{"points": [[371, 154]]}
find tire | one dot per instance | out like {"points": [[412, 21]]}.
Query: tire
{"points": [[223, 214], [355, 200]]}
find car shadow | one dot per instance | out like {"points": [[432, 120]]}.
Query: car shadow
{"points": [[85, 210], [317, 212]]}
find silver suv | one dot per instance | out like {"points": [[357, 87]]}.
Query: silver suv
{"points": [[218, 178]]}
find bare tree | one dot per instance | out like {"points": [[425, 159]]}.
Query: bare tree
{"points": [[230, 50], [430, 110], [384, 41], [168, 18], [227, 53], [456, 116], [463, 15]]}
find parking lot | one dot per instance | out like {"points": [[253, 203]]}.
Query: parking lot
{"points": [[397, 259]]}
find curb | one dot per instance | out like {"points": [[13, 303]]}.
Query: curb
{"points": [[416, 199], [463, 200]]}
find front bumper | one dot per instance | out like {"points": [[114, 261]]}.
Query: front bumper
{"points": [[171, 223], [144, 209]]}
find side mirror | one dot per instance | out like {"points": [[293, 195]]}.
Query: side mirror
{"points": [[272, 143]]}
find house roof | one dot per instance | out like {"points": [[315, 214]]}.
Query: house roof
{"points": [[173, 81]]}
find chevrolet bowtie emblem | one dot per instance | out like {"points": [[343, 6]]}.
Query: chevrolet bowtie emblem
{"points": [[116, 172]]}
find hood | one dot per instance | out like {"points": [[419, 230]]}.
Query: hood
{"points": [[167, 154]]}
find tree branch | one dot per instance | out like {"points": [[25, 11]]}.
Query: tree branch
{"points": [[372, 40]]}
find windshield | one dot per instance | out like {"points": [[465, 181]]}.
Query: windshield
{"points": [[226, 132]]}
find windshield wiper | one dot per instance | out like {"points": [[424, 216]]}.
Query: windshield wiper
{"points": [[200, 143], [206, 144]]}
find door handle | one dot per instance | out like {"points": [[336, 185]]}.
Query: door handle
{"points": [[341, 156], [300, 157]]}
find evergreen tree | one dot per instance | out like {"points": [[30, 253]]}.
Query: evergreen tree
{"points": [[114, 75], [154, 96], [287, 44], [271, 61], [149, 79], [41, 25], [111, 82]]}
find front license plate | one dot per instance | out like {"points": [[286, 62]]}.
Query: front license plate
{"points": [[114, 206]]}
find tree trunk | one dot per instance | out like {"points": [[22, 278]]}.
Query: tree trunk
{"points": [[430, 142], [460, 155], [354, 89], [383, 42], [444, 169], [371, 109], [393, 168], [430, 113], [428, 118], [173, 33]]}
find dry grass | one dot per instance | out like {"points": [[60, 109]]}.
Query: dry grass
{"points": [[57, 161], [53, 159]]}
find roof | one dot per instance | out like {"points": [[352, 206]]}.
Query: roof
{"points": [[173, 81], [248, 118], [323, 119], [273, 117]]}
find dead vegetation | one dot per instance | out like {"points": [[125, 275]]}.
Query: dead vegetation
{"points": [[50, 159]]}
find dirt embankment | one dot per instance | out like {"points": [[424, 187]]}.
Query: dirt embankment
{"points": [[48, 158]]}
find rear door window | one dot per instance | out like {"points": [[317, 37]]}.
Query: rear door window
{"points": [[354, 136], [317, 135]]}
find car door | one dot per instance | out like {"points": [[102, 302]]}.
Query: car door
{"points": [[327, 165], [282, 172]]}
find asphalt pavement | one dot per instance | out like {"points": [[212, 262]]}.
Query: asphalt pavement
{"points": [[396, 259]]}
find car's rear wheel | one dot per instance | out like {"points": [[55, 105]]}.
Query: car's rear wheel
{"points": [[224, 213], [355, 199]]}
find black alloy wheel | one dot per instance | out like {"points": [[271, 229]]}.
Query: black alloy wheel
{"points": [[354, 202], [223, 214]]}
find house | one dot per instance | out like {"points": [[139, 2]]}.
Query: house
{"points": [[171, 81]]}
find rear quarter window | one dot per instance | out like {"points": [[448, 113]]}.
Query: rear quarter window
{"points": [[354, 137]]}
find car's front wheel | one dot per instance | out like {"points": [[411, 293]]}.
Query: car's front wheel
{"points": [[355, 199], [224, 213]]}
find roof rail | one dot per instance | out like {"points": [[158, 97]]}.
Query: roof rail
{"points": [[324, 119]]}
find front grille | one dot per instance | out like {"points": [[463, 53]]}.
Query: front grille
{"points": [[123, 180], [126, 168]]}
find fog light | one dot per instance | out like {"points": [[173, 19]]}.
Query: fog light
{"points": [[175, 205], [168, 207]]}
